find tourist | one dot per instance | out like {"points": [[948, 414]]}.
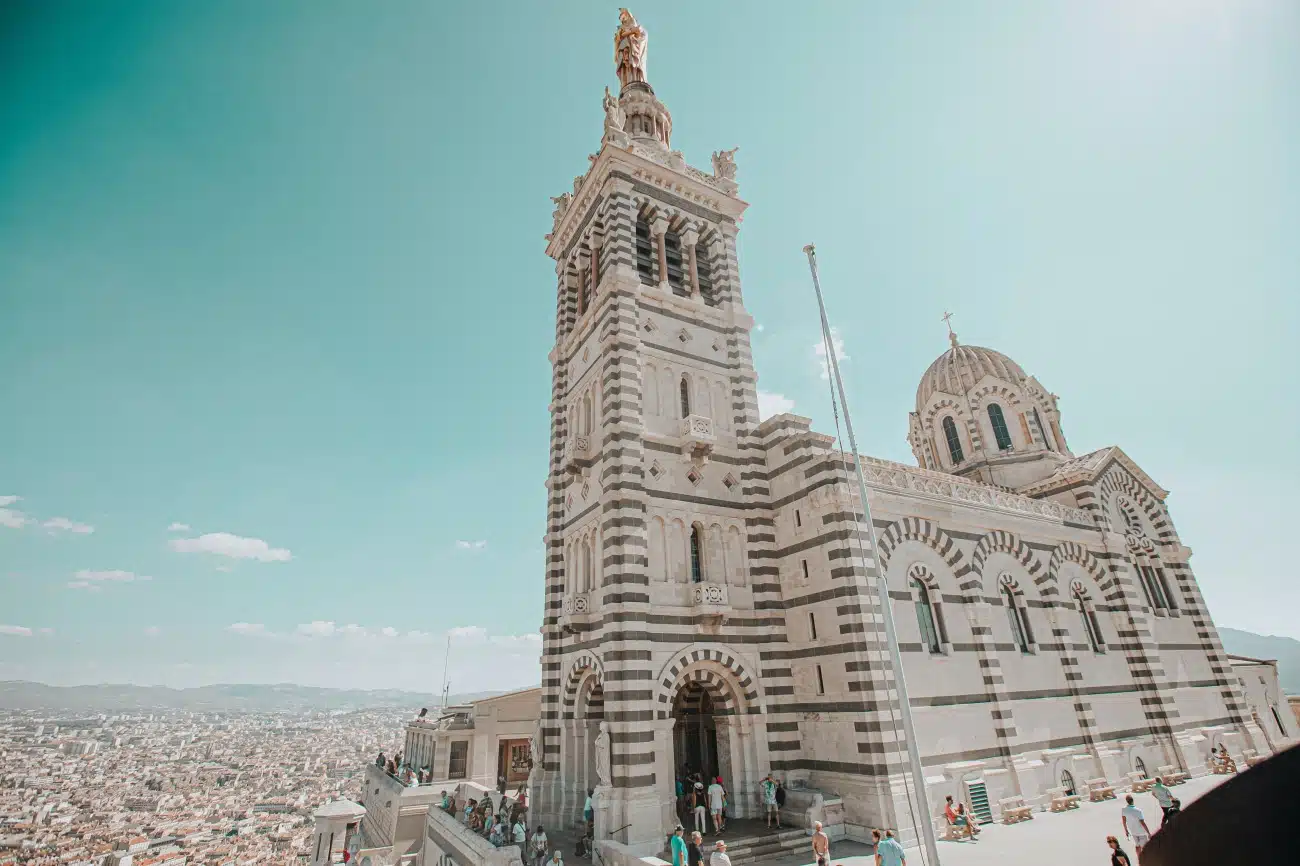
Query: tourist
{"points": [[588, 813], [679, 846], [521, 795], [1135, 825], [1175, 807], [520, 833], [719, 856], [695, 851], [821, 845], [697, 806], [539, 844], [681, 796], [498, 835], [780, 800], [966, 821], [557, 859], [769, 800], [379, 762], [1163, 797], [1118, 857], [888, 851], [424, 711], [716, 795]]}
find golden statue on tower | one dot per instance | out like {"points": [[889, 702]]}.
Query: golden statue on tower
{"points": [[629, 49]]}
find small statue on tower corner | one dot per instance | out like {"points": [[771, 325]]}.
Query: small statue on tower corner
{"points": [[629, 49], [724, 164], [613, 114]]}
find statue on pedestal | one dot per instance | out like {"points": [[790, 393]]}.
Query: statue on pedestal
{"points": [[629, 49], [603, 774]]}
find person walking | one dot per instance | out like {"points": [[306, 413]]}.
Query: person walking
{"points": [[519, 833], [588, 813], [888, 851], [539, 845], [1163, 797], [679, 846], [821, 845], [1135, 825], [719, 856], [695, 850], [716, 795], [768, 786], [1118, 856], [697, 804]]}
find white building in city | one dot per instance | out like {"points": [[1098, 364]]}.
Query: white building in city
{"points": [[710, 579]]}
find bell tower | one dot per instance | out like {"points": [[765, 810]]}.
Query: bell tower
{"points": [[652, 607]]}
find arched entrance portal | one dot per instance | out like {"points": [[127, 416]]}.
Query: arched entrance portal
{"points": [[710, 712], [695, 733]]}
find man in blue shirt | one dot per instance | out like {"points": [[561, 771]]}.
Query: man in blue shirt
{"points": [[679, 847], [888, 851]]}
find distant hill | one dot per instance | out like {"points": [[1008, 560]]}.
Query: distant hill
{"points": [[282, 697], [1266, 646]]}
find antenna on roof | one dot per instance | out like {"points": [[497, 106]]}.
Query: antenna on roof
{"points": [[445, 659]]}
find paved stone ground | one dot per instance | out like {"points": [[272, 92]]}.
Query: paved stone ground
{"points": [[1074, 838]]}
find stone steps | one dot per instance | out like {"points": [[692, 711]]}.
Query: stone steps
{"points": [[755, 849]]}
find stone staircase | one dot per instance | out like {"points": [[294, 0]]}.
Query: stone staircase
{"points": [[769, 846]]}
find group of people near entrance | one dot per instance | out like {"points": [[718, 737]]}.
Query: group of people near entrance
{"points": [[699, 802], [691, 853]]}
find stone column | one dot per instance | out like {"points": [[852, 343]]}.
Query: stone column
{"points": [[690, 238], [659, 228]]}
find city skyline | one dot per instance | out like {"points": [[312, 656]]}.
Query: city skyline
{"points": [[276, 329]]}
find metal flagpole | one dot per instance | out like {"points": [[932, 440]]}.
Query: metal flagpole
{"points": [[909, 732]]}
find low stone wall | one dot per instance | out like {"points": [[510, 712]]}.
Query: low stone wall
{"points": [[447, 842], [617, 854]]}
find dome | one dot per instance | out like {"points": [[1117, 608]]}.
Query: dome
{"points": [[957, 370]]}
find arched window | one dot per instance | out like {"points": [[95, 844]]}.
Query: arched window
{"points": [[1000, 432], [584, 288], [925, 618], [1018, 617], [586, 428], [1165, 589], [684, 387], [1067, 782], [1141, 766], [1154, 589], [645, 252], [585, 585], [673, 258], [704, 273], [1091, 627], [1042, 431], [697, 556], [954, 442]]}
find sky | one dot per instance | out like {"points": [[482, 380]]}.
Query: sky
{"points": [[275, 308]]}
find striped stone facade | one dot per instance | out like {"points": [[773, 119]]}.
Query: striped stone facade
{"points": [[693, 552]]}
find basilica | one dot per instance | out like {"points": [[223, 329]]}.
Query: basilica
{"points": [[711, 583]]}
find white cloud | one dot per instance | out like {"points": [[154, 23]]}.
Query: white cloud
{"points": [[152, 631], [471, 545], [353, 630], [254, 628], [63, 524], [179, 527], [232, 546], [16, 630], [388, 631], [819, 352], [89, 579], [319, 628], [467, 632], [46, 632], [770, 404], [11, 517]]}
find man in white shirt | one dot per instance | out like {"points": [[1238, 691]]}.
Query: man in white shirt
{"points": [[715, 803], [1134, 824], [719, 856]]}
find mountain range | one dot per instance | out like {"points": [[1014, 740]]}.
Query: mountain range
{"points": [[288, 697], [1266, 646], [280, 697]]}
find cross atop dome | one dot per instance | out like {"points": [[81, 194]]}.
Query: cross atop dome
{"points": [[947, 320]]}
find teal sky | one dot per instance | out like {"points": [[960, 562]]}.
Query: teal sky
{"points": [[276, 270]]}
